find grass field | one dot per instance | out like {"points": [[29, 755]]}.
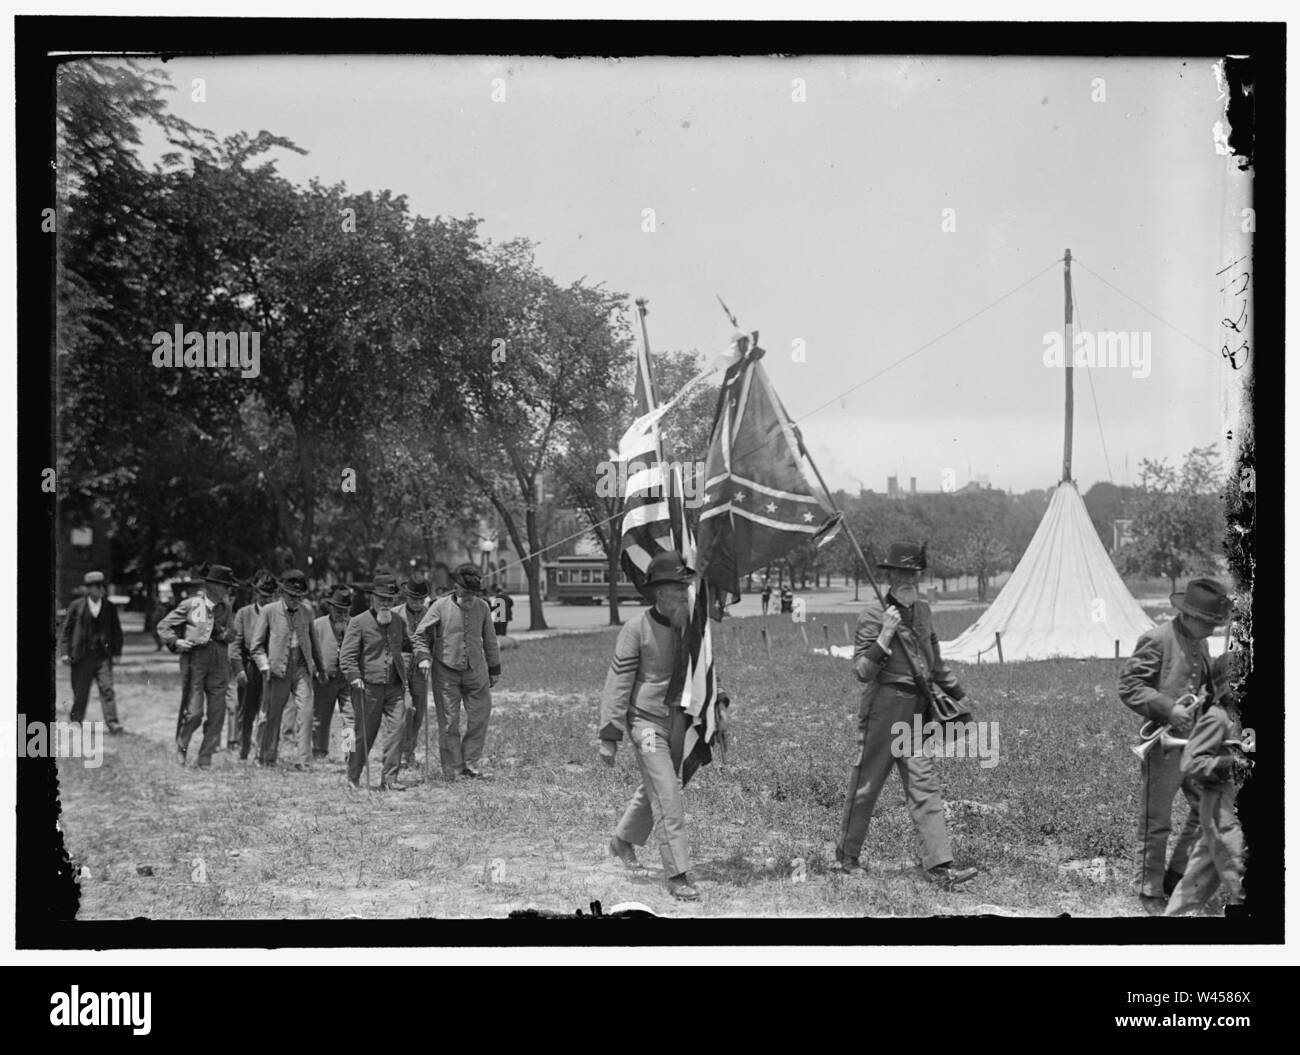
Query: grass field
{"points": [[1052, 826]]}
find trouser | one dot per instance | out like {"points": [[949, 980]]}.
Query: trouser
{"points": [[450, 687], [416, 713], [97, 668], [328, 693], [1219, 856], [657, 804], [287, 701], [206, 672], [234, 696], [876, 756], [248, 705], [1162, 776], [378, 702]]}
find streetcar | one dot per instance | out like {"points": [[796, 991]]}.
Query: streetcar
{"points": [[585, 580]]}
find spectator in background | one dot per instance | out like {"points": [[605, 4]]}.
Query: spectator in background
{"points": [[248, 700], [89, 640], [503, 608]]}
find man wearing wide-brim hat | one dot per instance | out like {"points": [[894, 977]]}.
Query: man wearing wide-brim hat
{"points": [[642, 687], [415, 602], [371, 658], [456, 645], [288, 655], [89, 640], [891, 694], [248, 679], [1165, 681], [332, 689], [199, 628]]}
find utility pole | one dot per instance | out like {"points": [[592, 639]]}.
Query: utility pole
{"points": [[1069, 373]]}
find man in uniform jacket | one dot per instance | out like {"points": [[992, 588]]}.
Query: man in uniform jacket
{"points": [[199, 628], [89, 640], [456, 641], [248, 702], [371, 658], [1213, 758], [414, 604], [1167, 664], [332, 689], [890, 694], [642, 687], [287, 653]]}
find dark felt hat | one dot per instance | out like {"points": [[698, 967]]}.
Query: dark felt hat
{"points": [[468, 576], [667, 567], [293, 583], [221, 575], [385, 585], [1204, 599], [905, 555], [416, 588], [339, 598]]}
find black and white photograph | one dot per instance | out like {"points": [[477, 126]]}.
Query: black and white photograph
{"points": [[761, 483]]}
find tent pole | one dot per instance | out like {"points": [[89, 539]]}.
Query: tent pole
{"points": [[1069, 373]]}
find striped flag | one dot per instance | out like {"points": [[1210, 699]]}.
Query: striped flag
{"points": [[654, 520]]}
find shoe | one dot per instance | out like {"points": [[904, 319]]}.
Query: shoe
{"points": [[180, 755], [393, 786], [115, 730], [319, 756], [1153, 905], [354, 785], [847, 865], [680, 887], [203, 765], [471, 772], [1171, 881], [624, 851], [948, 876], [449, 775]]}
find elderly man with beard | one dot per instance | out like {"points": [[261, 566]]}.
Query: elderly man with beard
{"points": [[457, 632], [891, 695], [332, 689], [371, 658], [414, 604], [204, 645], [286, 651], [638, 699]]}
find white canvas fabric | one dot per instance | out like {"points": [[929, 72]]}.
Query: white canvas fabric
{"points": [[1065, 597]]}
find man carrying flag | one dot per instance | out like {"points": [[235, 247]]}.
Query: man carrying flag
{"points": [[642, 691]]}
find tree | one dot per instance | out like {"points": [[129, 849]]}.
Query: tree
{"points": [[1178, 523], [984, 554]]}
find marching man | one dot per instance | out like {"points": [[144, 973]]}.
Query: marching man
{"points": [[89, 640], [1169, 664], [332, 688], [411, 611], [249, 679], [457, 632], [372, 662], [890, 695], [286, 651], [649, 651], [204, 645]]}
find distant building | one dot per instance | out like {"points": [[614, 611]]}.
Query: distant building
{"points": [[82, 545]]}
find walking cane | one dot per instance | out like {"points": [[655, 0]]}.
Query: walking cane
{"points": [[359, 722], [428, 713]]}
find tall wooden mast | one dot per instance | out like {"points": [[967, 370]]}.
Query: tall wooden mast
{"points": [[1069, 373]]}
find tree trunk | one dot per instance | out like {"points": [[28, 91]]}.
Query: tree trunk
{"points": [[537, 618]]}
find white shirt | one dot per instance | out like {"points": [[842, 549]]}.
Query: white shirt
{"points": [[94, 605]]}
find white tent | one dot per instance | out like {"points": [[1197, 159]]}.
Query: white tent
{"points": [[1065, 597]]}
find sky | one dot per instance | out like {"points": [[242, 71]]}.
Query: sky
{"points": [[823, 224]]}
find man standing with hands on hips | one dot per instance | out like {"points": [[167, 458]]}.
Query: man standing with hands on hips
{"points": [[642, 687], [456, 645]]}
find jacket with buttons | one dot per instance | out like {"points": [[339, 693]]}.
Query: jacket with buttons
{"points": [[874, 666], [273, 631], [241, 633], [79, 628], [460, 635], [330, 642], [1165, 665], [636, 685], [369, 651]]}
